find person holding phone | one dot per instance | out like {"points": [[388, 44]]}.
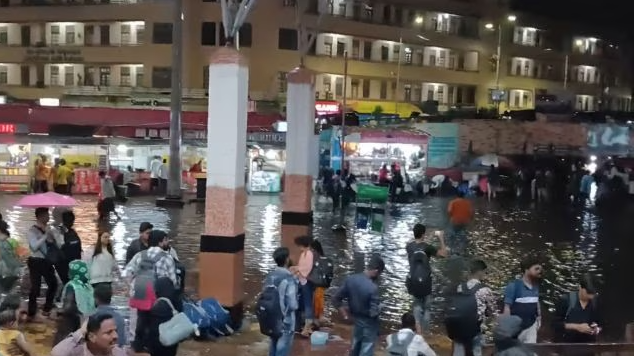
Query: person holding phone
{"points": [[577, 317]]}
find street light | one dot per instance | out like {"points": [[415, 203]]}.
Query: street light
{"points": [[490, 26], [418, 20]]}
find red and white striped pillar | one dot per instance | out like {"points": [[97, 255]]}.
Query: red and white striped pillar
{"points": [[297, 215], [221, 258]]}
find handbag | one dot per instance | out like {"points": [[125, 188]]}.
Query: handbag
{"points": [[177, 329]]}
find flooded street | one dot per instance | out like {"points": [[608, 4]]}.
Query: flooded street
{"points": [[571, 242]]}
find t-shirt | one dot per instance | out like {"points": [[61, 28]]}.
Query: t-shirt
{"points": [[460, 211], [63, 175], [523, 300], [8, 344], [413, 246]]}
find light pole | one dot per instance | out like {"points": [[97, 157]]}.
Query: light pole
{"points": [[418, 21], [498, 59], [173, 194]]}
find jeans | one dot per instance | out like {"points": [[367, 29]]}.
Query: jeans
{"points": [[421, 312], [476, 347], [364, 336], [282, 346], [308, 290], [40, 268]]}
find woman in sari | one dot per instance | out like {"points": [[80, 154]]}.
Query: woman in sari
{"points": [[78, 301]]}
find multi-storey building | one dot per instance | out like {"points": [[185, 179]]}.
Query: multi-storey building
{"points": [[399, 53]]}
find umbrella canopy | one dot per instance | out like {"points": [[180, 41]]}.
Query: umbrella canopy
{"points": [[492, 159], [46, 200]]}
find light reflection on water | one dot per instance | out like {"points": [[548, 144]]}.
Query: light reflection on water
{"points": [[569, 242]]}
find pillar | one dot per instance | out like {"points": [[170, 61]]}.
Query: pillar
{"points": [[221, 258], [297, 215]]}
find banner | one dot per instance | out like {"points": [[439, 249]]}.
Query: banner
{"points": [[443, 150]]}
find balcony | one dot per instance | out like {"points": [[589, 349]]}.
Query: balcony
{"points": [[17, 3], [85, 11], [71, 75]]}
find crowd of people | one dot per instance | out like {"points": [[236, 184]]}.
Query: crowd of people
{"points": [[85, 321], [470, 304]]}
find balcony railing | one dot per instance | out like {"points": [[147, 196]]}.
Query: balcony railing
{"points": [[130, 91]]}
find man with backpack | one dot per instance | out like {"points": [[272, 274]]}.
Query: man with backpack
{"points": [[467, 308], [277, 304], [145, 268], [521, 298], [406, 342], [419, 281], [364, 306], [576, 317]]}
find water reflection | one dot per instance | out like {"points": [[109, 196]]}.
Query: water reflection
{"points": [[571, 243]]}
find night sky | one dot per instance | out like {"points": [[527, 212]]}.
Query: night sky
{"points": [[611, 13]]}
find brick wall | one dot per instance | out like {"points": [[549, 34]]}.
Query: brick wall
{"points": [[508, 137]]}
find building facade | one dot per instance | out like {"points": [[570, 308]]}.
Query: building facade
{"points": [[118, 53]]}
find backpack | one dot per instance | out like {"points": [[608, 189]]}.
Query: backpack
{"points": [[219, 318], [268, 309], [322, 273], [461, 316], [418, 281], [144, 295], [397, 347]]}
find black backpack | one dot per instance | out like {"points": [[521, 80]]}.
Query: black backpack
{"points": [[268, 309], [322, 273], [418, 281], [461, 315]]}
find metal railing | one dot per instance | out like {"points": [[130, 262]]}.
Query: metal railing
{"points": [[16, 3]]}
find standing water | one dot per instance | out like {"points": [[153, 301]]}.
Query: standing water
{"points": [[570, 242]]}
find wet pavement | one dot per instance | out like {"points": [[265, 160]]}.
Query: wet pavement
{"points": [[571, 242]]}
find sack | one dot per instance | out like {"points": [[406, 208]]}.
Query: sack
{"points": [[462, 322], [144, 295], [322, 273], [177, 329], [418, 281], [196, 314], [269, 311], [397, 347], [180, 274], [219, 317]]}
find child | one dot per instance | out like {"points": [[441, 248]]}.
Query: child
{"points": [[10, 337]]}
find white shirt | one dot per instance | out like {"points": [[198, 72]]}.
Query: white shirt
{"points": [[163, 171], [417, 347], [103, 267], [155, 165]]}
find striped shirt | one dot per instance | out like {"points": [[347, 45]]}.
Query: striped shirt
{"points": [[523, 301]]}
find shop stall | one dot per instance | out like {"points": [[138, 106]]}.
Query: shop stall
{"points": [[15, 175], [367, 150], [266, 161]]}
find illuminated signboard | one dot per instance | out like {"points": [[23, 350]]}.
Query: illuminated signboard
{"points": [[7, 128], [327, 107]]}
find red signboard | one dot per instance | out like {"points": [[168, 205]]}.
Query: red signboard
{"points": [[7, 128], [327, 107]]}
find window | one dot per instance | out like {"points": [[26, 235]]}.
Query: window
{"points": [[408, 56], [383, 93], [245, 35], [365, 88], [4, 75], [208, 34], [126, 77], [205, 77], [288, 3], [70, 34], [354, 86], [327, 85], [139, 76], [162, 33], [104, 76], [282, 83], [54, 76], [210, 0], [355, 49], [287, 39], [396, 57], [4, 36], [339, 87], [55, 34], [69, 76], [385, 53], [407, 92], [328, 46], [126, 37], [161, 77], [140, 34], [367, 50]]}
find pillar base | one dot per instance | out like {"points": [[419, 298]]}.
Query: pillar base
{"points": [[170, 202], [236, 315]]}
